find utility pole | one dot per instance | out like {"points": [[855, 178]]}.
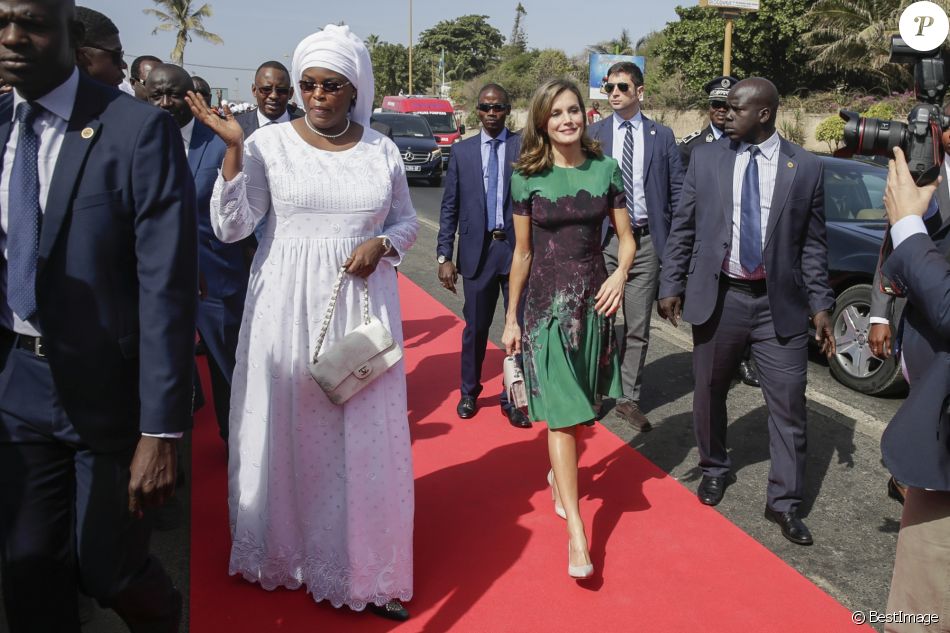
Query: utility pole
{"points": [[410, 46], [729, 10]]}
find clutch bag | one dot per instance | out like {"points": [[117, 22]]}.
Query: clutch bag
{"points": [[514, 383], [356, 360]]}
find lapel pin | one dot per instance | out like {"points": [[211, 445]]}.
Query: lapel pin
{"points": [[652, 132], [87, 133], [790, 164]]}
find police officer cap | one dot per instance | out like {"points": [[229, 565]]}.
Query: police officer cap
{"points": [[719, 87]]}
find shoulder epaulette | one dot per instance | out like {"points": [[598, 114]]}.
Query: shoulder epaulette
{"points": [[690, 137]]}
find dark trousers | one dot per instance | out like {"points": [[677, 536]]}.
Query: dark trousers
{"points": [[219, 323], [741, 319], [481, 297], [64, 518]]}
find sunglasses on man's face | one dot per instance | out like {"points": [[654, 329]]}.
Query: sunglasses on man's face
{"points": [[493, 107], [280, 90], [623, 86], [718, 105], [115, 54], [328, 85]]}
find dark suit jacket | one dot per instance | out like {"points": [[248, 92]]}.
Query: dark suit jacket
{"points": [[224, 266], [464, 203], [796, 248], [249, 122], [916, 443], [117, 271], [886, 306], [662, 172]]}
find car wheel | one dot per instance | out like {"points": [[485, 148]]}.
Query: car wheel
{"points": [[853, 363]]}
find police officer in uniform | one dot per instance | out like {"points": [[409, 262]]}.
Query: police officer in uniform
{"points": [[718, 90]]}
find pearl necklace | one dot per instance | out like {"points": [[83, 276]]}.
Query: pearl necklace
{"points": [[306, 120]]}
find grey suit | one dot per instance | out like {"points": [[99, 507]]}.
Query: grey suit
{"points": [[772, 316], [250, 124]]}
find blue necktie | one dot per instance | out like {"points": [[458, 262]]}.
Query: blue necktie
{"points": [[491, 194], [750, 221], [23, 222], [626, 166]]}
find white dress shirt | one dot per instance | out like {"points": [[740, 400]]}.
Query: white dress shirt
{"points": [[639, 196], [716, 132], [263, 120], [186, 131], [767, 162], [500, 191], [50, 127]]}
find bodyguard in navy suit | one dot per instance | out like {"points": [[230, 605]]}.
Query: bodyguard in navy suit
{"points": [[916, 443], [653, 175], [222, 267], [272, 90], [98, 295], [477, 203], [747, 260]]}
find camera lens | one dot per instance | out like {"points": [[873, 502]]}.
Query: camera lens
{"points": [[872, 137]]}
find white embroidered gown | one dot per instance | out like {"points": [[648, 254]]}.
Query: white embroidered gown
{"points": [[320, 495]]}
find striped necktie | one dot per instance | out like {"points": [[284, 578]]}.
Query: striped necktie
{"points": [[626, 165]]}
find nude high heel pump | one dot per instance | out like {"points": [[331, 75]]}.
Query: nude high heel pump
{"points": [[558, 508], [578, 571]]}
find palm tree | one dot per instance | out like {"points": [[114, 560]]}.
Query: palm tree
{"points": [[179, 17], [371, 41], [623, 45]]}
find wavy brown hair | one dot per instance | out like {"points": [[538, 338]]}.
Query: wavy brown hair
{"points": [[536, 154]]}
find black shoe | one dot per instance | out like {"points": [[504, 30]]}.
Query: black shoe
{"points": [[793, 528], [392, 610], [466, 407], [748, 375], [518, 418], [896, 490], [711, 490]]}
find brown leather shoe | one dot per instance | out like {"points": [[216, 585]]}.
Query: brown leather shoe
{"points": [[630, 413]]}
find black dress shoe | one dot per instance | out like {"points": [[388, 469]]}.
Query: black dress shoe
{"points": [[711, 490], [466, 407], [747, 374], [793, 528], [392, 610], [518, 418], [896, 490]]}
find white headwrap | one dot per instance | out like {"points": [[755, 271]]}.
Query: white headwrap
{"points": [[336, 48]]}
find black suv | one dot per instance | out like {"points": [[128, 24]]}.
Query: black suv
{"points": [[856, 220], [420, 153]]}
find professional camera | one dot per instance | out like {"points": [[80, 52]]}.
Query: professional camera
{"points": [[919, 138]]}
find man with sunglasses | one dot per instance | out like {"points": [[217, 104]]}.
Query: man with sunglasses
{"points": [[477, 203], [272, 91], [652, 175], [99, 53]]}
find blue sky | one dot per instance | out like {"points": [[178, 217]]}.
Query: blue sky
{"points": [[256, 31]]}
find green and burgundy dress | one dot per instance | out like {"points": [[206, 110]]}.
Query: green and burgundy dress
{"points": [[570, 353]]}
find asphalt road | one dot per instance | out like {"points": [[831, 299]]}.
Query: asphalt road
{"points": [[854, 523]]}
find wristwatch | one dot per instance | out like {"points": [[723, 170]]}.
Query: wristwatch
{"points": [[387, 244], [442, 259]]}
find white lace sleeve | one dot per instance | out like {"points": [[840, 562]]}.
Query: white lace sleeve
{"points": [[401, 224], [238, 205]]}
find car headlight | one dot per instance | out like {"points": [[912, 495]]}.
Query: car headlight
{"points": [[457, 140], [437, 153]]}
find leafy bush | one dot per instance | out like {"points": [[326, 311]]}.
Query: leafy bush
{"points": [[831, 131]]}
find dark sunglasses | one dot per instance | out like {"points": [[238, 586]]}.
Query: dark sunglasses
{"points": [[328, 85], [280, 90], [718, 105], [623, 86], [493, 107], [116, 54]]}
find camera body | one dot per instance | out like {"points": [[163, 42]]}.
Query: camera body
{"points": [[919, 138]]}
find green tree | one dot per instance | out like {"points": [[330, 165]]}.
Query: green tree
{"points": [[390, 69], [471, 45], [767, 42], [179, 18], [518, 42], [371, 41], [622, 45]]}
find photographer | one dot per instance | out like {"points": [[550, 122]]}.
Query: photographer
{"points": [[916, 444]]}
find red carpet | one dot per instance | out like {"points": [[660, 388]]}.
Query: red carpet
{"points": [[491, 555]]}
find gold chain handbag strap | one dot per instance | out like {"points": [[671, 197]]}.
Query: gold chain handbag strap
{"points": [[329, 315]]}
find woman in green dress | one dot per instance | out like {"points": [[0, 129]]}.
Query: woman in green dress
{"points": [[562, 190]]}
